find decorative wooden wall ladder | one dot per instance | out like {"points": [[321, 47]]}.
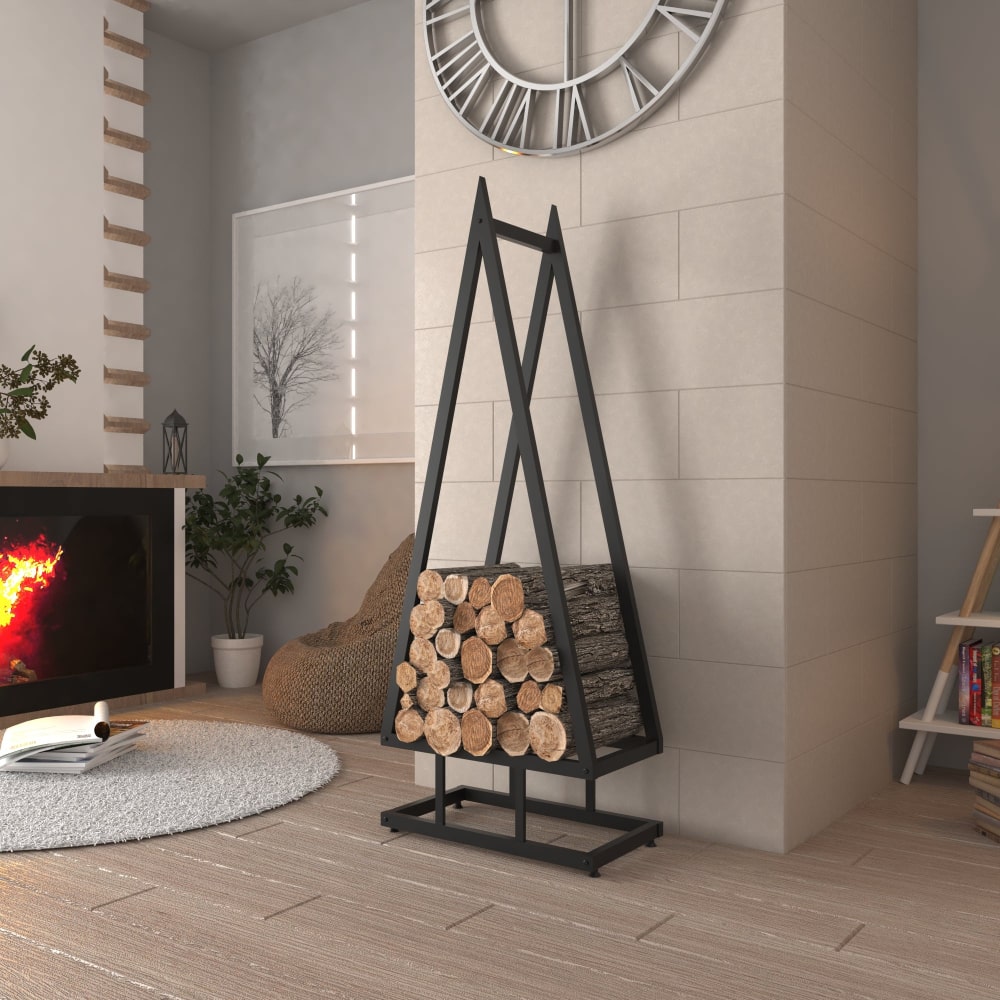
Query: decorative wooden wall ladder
{"points": [[482, 252]]}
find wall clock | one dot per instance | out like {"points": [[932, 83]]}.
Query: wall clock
{"points": [[503, 92]]}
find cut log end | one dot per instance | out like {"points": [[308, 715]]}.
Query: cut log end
{"points": [[443, 731], [448, 642], [512, 733], [477, 660], [456, 587], [512, 661], [507, 597], [529, 697], [480, 592], [477, 733], [529, 630], [551, 698], [491, 699], [490, 626], [540, 663], [426, 618], [429, 696], [464, 618], [439, 674], [409, 725], [547, 736], [422, 654], [460, 696], [406, 677], [430, 585]]}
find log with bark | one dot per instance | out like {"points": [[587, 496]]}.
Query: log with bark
{"points": [[552, 738], [460, 671]]}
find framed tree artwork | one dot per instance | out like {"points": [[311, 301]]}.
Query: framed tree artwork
{"points": [[323, 328]]}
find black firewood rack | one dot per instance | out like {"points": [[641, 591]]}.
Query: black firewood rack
{"points": [[429, 815]]}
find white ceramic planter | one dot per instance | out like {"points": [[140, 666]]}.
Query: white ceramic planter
{"points": [[4, 451], [237, 661]]}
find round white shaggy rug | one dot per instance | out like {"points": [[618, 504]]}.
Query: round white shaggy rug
{"points": [[182, 776]]}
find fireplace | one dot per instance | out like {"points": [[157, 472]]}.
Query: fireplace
{"points": [[86, 594]]}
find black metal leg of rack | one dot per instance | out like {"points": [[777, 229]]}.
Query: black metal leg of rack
{"points": [[416, 817]]}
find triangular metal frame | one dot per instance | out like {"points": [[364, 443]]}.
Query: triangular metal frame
{"points": [[482, 251]]}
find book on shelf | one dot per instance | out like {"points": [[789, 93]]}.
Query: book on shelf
{"points": [[995, 688], [68, 743], [987, 719], [979, 684], [965, 679], [975, 683]]}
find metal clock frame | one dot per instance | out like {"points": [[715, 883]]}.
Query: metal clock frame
{"points": [[467, 68]]}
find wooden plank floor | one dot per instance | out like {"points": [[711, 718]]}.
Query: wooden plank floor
{"points": [[899, 899]]}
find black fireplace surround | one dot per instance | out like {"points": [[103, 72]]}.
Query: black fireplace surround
{"points": [[86, 594]]}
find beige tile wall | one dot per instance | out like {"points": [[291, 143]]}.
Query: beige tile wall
{"points": [[764, 521], [850, 403]]}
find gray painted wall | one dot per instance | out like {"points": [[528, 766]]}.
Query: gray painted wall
{"points": [[959, 347], [313, 109], [178, 306], [178, 258]]}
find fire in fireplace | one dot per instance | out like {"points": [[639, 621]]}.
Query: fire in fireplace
{"points": [[86, 591]]}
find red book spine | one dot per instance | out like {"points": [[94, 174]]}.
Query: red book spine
{"points": [[976, 684]]}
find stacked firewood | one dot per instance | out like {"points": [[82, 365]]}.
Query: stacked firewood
{"points": [[482, 672]]}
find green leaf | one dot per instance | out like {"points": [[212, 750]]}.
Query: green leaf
{"points": [[27, 353], [26, 429]]}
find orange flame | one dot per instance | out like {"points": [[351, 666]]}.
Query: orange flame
{"points": [[25, 569]]}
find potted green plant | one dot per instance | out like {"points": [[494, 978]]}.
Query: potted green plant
{"points": [[24, 392], [226, 540]]}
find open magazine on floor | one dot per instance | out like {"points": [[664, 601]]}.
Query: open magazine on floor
{"points": [[68, 743]]}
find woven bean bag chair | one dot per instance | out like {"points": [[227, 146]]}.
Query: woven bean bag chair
{"points": [[335, 680]]}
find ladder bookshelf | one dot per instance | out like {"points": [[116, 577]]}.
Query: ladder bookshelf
{"points": [[933, 718]]}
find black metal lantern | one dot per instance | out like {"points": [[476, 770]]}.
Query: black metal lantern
{"points": [[175, 444]]}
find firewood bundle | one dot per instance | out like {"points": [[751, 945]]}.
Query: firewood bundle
{"points": [[482, 672]]}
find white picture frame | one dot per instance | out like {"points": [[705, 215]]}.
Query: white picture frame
{"points": [[323, 328]]}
